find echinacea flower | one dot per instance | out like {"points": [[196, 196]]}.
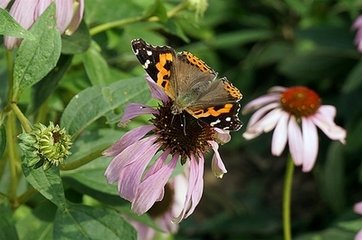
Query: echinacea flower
{"points": [[295, 113], [4, 3], [169, 138], [162, 212], [69, 13], [357, 208], [357, 25]]}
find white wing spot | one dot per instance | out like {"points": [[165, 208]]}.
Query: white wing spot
{"points": [[145, 66], [228, 119], [214, 123], [149, 53], [136, 51]]}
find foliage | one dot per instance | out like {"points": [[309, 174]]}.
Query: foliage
{"points": [[84, 81]]}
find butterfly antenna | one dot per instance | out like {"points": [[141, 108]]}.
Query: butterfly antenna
{"points": [[184, 123]]}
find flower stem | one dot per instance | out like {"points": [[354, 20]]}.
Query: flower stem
{"points": [[10, 63], [287, 191], [23, 120], [82, 161]]}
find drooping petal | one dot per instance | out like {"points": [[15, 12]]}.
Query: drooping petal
{"points": [[134, 110], [328, 110], [194, 189], [130, 176], [217, 165], [279, 139], [64, 13], [150, 188], [77, 17], [295, 141], [129, 155], [357, 208], [310, 144], [259, 102], [180, 183], [266, 124], [128, 139], [156, 91], [222, 136], [261, 112], [326, 124]]}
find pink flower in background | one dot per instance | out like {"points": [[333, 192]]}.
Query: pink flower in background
{"points": [[294, 113], [357, 208], [167, 139], [69, 13], [162, 212], [357, 25], [4, 3]]}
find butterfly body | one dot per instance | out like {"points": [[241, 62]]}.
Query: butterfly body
{"points": [[192, 85]]}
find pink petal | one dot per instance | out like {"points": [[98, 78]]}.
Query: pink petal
{"points": [[217, 165], [260, 101], [328, 111], [326, 124], [129, 155], [358, 235], [130, 176], [357, 208], [310, 144], [76, 18], [128, 139], [295, 141], [277, 89], [261, 112], [64, 13], [357, 23], [156, 90], [4, 3], [222, 136], [280, 135], [150, 189], [134, 110], [180, 183], [194, 189]]}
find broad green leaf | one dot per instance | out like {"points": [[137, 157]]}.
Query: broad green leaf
{"points": [[92, 103], [354, 79], [7, 227], [36, 57], [48, 183], [95, 65], [78, 42], [44, 88], [2, 139], [10, 27], [352, 225], [333, 178], [329, 234], [84, 222]]}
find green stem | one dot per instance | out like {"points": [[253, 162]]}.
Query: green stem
{"points": [[80, 162], [287, 192], [13, 156], [25, 197], [23, 120], [123, 22], [10, 65]]}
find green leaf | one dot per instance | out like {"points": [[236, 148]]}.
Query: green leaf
{"points": [[48, 183], [44, 88], [7, 227], [36, 57], [95, 65], [78, 42], [92, 103], [10, 27], [354, 79], [2, 140], [84, 222], [333, 178]]}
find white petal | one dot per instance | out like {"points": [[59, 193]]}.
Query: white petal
{"points": [[261, 112], [280, 135], [260, 101], [328, 110], [217, 165], [295, 141], [310, 144], [327, 125]]}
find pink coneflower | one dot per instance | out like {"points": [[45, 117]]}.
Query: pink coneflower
{"points": [[162, 212], [295, 113], [357, 25], [357, 208], [168, 138], [69, 13], [4, 3]]}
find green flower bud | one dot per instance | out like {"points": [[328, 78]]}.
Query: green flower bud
{"points": [[45, 146]]}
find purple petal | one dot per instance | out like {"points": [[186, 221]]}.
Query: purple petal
{"points": [[4, 3], [128, 139], [156, 91], [180, 183], [134, 110], [260, 101], [131, 175], [64, 13], [217, 165], [195, 187], [129, 155], [358, 235], [150, 189], [279, 139], [357, 208], [295, 141], [357, 24], [158, 163], [310, 144], [76, 18], [222, 136]]}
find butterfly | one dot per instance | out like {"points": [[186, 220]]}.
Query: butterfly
{"points": [[192, 85]]}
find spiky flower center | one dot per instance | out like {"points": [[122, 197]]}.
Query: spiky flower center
{"points": [[300, 101], [182, 133]]}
